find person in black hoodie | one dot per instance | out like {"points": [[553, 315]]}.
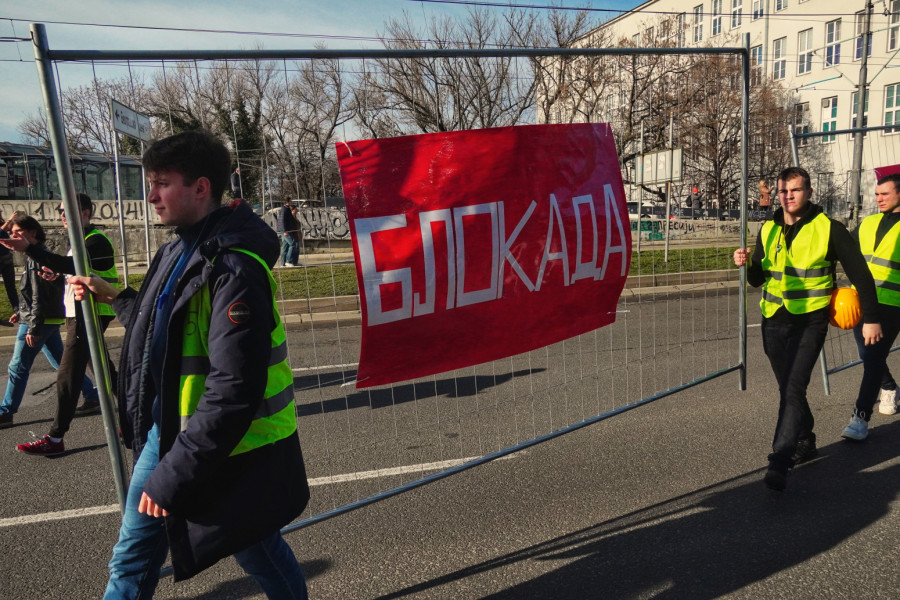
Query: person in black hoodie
{"points": [[879, 241], [206, 395], [794, 261]]}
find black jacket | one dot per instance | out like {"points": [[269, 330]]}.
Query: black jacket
{"points": [[39, 299], [218, 504]]}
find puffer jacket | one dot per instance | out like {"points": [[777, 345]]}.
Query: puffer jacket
{"points": [[218, 504]]}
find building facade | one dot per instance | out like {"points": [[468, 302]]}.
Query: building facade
{"points": [[813, 49]]}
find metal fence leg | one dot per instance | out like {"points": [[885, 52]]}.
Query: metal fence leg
{"points": [[824, 364]]}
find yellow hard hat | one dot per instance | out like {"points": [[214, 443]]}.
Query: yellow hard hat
{"points": [[845, 312]]}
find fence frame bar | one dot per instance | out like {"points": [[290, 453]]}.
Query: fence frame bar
{"points": [[58, 141]]}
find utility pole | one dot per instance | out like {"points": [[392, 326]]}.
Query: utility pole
{"points": [[861, 91]]}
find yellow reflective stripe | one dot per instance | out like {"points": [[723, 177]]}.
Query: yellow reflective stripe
{"points": [[54, 321], [267, 431]]}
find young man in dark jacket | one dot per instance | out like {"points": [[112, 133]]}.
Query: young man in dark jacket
{"points": [[794, 261], [206, 395]]}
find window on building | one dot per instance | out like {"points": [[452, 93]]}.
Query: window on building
{"points": [[779, 61], [894, 26], [860, 30], [756, 64], [636, 40], [892, 107], [737, 13], [854, 111], [648, 34], [801, 121], [805, 51], [698, 24], [780, 5], [680, 21], [829, 117], [716, 27], [832, 43], [758, 9]]}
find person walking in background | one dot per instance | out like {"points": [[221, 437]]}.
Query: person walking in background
{"points": [[284, 225], [879, 240], [40, 313], [206, 397], [237, 191], [794, 262], [7, 266], [765, 195], [76, 352]]}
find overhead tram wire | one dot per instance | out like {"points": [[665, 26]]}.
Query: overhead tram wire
{"points": [[487, 4]]}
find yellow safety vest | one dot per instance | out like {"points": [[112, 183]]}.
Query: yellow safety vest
{"points": [[800, 279], [884, 261], [111, 275], [276, 417]]}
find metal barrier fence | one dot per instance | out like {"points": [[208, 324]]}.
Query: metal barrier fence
{"points": [[681, 319], [832, 148]]}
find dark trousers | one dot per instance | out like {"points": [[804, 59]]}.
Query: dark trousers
{"points": [[8, 273], [875, 372], [793, 348], [72, 367]]}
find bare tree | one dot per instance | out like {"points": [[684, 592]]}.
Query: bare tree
{"points": [[447, 94]]}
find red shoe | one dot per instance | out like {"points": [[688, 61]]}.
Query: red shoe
{"points": [[43, 447]]}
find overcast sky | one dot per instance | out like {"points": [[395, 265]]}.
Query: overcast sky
{"points": [[20, 93]]}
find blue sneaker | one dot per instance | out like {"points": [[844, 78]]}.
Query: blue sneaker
{"points": [[857, 430]]}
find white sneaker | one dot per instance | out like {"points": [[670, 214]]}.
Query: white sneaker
{"points": [[288, 264], [857, 430], [888, 402]]}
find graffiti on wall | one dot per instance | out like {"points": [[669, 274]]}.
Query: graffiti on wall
{"points": [[105, 211], [323, 223]]}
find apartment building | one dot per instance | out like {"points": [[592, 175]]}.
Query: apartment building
{"points": [[814, 48]]}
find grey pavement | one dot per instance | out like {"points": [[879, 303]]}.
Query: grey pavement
{"points": [[664, 501]]}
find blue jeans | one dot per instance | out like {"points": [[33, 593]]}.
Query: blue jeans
{"points": [[290, 249], [22, 360], [142, 547]]}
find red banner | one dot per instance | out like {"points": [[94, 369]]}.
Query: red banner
{"points": [[889, 170], [472, 246]]}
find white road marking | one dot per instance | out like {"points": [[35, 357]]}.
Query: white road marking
{"points": [[114, 508], [344, 366], [434, 466], [60, 515]]}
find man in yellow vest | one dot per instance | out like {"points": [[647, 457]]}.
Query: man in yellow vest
{"points": [[206, 395], [76, 352], [879, 241], [794, 262]]}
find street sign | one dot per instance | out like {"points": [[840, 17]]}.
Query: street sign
{"points": [[654, 167], [130, 122]]}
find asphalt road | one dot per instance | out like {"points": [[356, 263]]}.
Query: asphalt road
{"points": [[664, 501]]}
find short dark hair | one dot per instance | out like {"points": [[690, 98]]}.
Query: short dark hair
{"points": [[29, 223], [192, 154], [791, 172], [84, 203], [893, 177]]}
